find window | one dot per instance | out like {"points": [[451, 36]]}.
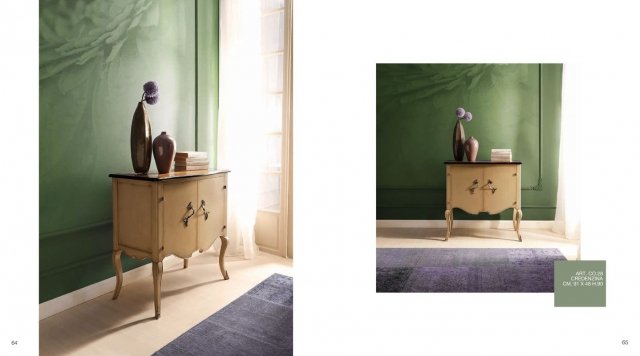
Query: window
{"points": [[274, 55]]}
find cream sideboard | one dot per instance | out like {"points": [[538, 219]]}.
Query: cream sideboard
{"points": [[483, 187], [158, 215]]}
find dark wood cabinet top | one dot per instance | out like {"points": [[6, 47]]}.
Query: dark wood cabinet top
{"points": [[481, 162], [166, 176]]}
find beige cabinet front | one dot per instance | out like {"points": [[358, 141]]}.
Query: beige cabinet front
{"points": [[158, 216], [483, 187]]}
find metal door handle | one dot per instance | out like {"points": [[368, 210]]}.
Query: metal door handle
{"points": [[474, 186], [186, 219], [206, 213], [490, 185]]}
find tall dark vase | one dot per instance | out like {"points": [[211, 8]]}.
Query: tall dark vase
{"points": [[458, 141], [164, 151], [141, 140]]}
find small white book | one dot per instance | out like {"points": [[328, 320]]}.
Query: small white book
{"points": [[190, 168], [191, 154], [189, 161], [500, 155]]}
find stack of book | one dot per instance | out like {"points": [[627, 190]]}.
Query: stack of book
{"points": [[191, 161], [501, 155]]}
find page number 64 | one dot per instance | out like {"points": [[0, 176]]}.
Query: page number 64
{"points": [[14, 342]]}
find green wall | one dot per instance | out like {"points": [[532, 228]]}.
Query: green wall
{"points": [[94, 58], [514, 106]]}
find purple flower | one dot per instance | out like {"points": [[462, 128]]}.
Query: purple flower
{"points": [[459, 113], [150, 88], [467, 116], [150, 92], [151, 99]]}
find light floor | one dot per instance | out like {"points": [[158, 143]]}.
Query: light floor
{"points": [[476, 238], [127, 326]]}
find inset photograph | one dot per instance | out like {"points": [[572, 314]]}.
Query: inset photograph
{"points": [[477, 181], [165, 182]]}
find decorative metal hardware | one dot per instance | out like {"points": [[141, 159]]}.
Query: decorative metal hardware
{"points": [[224, 186], [186, 219], [206, 213], [474, 186], [490, 185]]}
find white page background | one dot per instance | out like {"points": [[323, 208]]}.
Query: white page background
{"points": [[336, 48]]}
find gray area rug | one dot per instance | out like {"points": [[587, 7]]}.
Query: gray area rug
{"points": [[460, 270], [259, 322]]}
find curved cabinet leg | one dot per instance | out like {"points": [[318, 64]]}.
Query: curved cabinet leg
{"points": [[449, 217], [517, 219], [117, 265], [223, 249], [157, 280], [185, 264], [451, 222]]}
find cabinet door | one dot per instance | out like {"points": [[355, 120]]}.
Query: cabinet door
{"points": [[465, 193], [179, 238], [504, 179], [212, 192]]}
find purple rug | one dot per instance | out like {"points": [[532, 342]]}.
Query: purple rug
{"points": [[460, 270], [258, 323]]}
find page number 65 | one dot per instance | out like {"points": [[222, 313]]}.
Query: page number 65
{"points": [[625, 342]]}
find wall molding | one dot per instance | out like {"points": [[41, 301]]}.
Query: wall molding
{"points": [[437, 205], [60, 270], [85, 294], [538, 187], [75, 229], [86, 261], [480, 224]]}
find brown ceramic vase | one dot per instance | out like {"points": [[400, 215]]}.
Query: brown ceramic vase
{"points": [[471, 149], [140, 140], [164, 151]]}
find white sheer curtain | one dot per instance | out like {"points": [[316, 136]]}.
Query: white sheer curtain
{"points": [[240, 127], [567, 220]]}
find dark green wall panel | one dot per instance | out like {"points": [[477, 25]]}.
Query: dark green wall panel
{"points": [[94, 58], [76, 258], [515, 106]]}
